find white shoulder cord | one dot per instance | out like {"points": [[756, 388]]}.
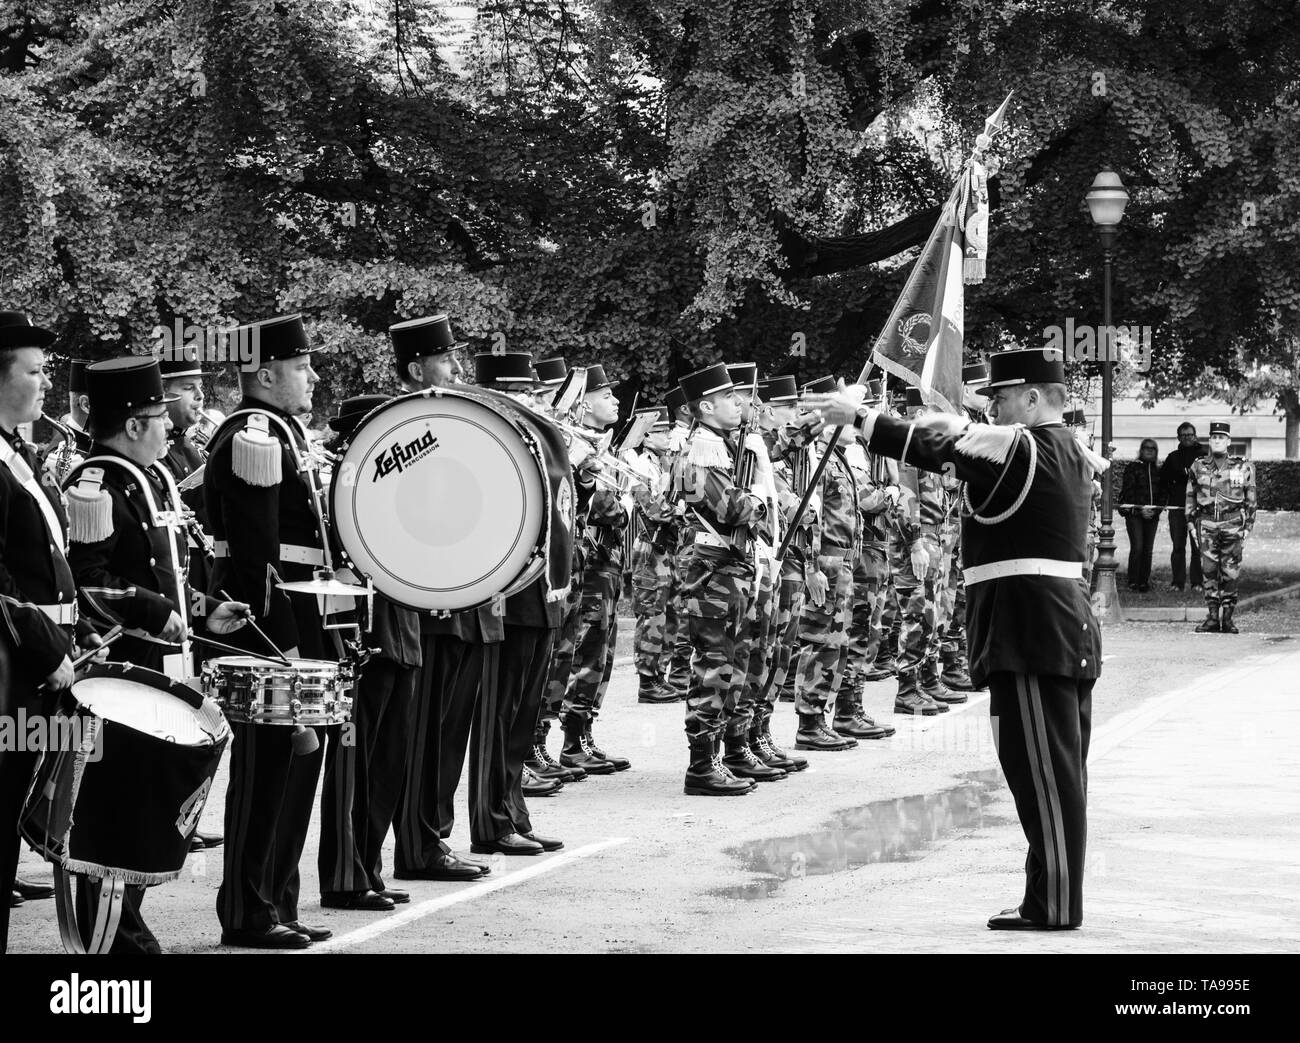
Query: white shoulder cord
{"points": [[1019, 501]]}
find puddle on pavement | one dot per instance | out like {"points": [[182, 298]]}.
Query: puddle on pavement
{"points": [[895, 830]]}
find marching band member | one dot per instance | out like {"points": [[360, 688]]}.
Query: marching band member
{"points": [[263, 497], [383, 711], [593, 658], [427, 355], [677, 676], [516, 665], [716, 573], [62, 454], [38, 597], [128, 555], [652, 519]]}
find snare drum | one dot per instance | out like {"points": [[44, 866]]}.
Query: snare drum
{"points": [[442, 498], [124, 800], [312, 692]]}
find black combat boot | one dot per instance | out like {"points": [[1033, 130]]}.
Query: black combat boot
{"points": [[1210, 624], [1227, 626], [706, 777], [850, 721], [814, 735], [620, 763], [956, 675], [577, 752], [760, 741], [909, 698], [543, 764], [653, 689], [739, 759], [882, 669]]}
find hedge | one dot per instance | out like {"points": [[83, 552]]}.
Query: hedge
{"points": [[1277, 483]]}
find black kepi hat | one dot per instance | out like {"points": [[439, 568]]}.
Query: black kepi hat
{"points": [[875, 391], [596, 379], [779, 391], [506, 367], [743, 374], [351, 411], [118, 386], [416, 338], [1074, 418], [821, 386], [1024, 366], [975, 373], [914, 398], [705, 382], [181, 360], [17, 331], [551, 372], [662, 419], [1219, 427], [270, 340], [77, 376], [675, 400]]}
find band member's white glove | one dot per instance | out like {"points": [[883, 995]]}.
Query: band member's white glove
{"points": [[228, 617], [818, 584], [62, 677], [173, 630]]}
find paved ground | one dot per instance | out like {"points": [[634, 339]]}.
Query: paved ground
{"points": [[902, 845]]}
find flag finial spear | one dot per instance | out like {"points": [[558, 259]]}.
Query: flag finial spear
{"points": [[992, 125]]}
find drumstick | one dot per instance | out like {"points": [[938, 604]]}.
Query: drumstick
{"points": [[237, 651], [248, 614], [90, 654]]}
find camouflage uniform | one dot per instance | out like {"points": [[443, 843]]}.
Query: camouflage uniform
{"points": [[920, 519], [949, 575], [824, 630], [566, 637], [677, 676], [593, 654], [715, 579], [652, 571], [1221, 503], [870, 574]]}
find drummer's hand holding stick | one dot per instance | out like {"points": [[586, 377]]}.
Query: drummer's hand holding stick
{"points": [[94, 647], [247, 614], [229, 616]]}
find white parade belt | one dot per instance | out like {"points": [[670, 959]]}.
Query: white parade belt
{"points": [[62, 615], [288, 553], [1022, 567]]}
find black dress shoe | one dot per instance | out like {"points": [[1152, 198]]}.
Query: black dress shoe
{"points": [[510, 844], [277, 936], [396, 896], [313, 934], [201, 840], [355, 900], [548, 843], [1011, 920], [446, 867], [32, 892]]}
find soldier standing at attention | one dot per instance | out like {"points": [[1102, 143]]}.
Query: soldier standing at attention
{"points": [[652, 564], [677, 678], [1032, 632], [716, 572], [1221, 506]]}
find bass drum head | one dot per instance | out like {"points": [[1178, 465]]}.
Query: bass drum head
{"points": [[439, 500]]}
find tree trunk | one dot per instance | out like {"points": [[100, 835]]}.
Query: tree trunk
{"points": [[1289, 400]]}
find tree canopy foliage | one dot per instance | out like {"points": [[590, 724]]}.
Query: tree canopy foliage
{"points": [[653, 184]]}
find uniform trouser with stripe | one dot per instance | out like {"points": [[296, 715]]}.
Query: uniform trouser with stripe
{"points": [[515, 671], [16, 769], [269, 804], [444, 709], [1041, 724], [339, 858], [383, 714]]}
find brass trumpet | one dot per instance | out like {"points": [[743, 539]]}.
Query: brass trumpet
{"points": [[67, 449], [598, 443], [209, 421]]}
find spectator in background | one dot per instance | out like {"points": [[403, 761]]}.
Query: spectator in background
{"points": [[1173, 483], [1139, 503]]}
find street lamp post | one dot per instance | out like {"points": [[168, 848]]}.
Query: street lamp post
{"points": [[1106, 200]]}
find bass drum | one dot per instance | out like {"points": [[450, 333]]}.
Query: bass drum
{"points": [[440, 498]]}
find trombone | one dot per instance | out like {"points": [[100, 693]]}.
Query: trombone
{"points": [[624, 474]]}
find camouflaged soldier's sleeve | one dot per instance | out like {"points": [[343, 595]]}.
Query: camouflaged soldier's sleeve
{"points": [[1251, 497]]}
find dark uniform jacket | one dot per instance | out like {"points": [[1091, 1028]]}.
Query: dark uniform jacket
{"points": [[32, 572], [128, 575], [1024, 624], [256, 526]]}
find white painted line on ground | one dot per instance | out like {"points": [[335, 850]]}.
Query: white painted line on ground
{"points": [[1130, 722], [467, 893]]}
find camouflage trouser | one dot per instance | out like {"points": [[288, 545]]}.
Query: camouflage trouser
{"points": [[824, 637], [885, 622], [679, 661], [952, 603], [651, 582], [1221, 545], [566, 639], [783, 637], [715, 599], [593, 656], [918, 647], [754, 650], [870, 579]]}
